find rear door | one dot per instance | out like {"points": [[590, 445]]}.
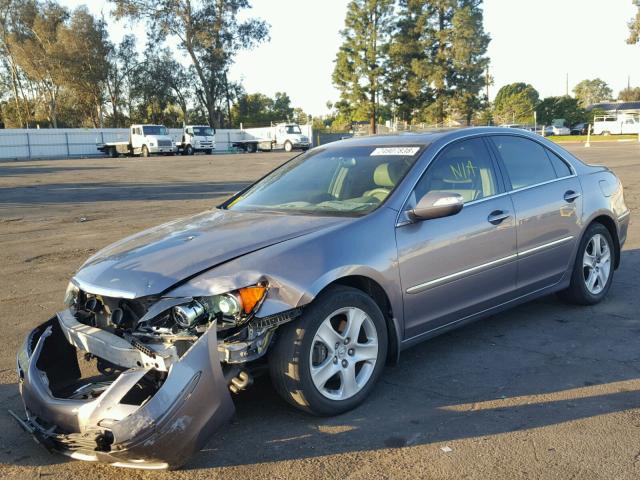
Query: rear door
{"points": [[456, 266], [547, 197]]}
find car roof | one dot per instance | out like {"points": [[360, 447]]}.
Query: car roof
{"points": [[425, 138]]}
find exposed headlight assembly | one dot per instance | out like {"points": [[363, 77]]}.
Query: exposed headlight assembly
{"points": [[71, 295], [230, 309]]}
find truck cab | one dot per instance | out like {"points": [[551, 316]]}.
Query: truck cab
{"points": [[290, 137], [148, 139], [197, 138]]}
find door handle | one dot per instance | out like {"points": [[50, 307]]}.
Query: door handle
{"points": [[570, 196], [497, 216]]}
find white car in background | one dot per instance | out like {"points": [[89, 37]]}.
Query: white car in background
{"points": [[556, 130]]}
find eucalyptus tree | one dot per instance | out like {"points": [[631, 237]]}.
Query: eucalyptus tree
{"points": [[210, 31]]}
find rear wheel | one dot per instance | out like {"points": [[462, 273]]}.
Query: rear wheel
{"points": [[328, 361], [593, 270]]}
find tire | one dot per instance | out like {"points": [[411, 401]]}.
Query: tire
{"points": [[144, 152], [581, 290], [189, 150], [605, 133], [252, 148], [288, 146], [208, 151], [113, 152], [299, 348]]}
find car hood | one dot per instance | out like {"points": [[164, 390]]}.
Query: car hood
{"points": [[154, 260]]}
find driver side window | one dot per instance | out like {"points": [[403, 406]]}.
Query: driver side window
{"points": [[463, 167]]}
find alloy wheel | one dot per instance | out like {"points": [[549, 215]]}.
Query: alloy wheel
{"points": [[596, 264], [343, 353]]}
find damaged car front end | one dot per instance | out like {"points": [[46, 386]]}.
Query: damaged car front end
{"points": [[140, 382]]}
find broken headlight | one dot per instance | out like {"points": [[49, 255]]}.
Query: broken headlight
{"points": [[230, 309], [71, 295]]}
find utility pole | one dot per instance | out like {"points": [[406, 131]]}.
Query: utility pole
{"points": [[567, 86]]}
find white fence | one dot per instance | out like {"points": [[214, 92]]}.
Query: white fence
{"points": [[22, 144]]}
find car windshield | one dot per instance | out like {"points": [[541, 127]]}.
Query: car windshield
{"points": [[335, 181], [154, 130], [293, 129], [203, 131]]}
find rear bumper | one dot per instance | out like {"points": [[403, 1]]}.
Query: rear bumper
{"points": [[163, 431]]}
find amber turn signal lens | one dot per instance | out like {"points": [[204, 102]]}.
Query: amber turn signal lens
{"points": [[250, 297]]}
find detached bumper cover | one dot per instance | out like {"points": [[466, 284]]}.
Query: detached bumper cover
{"points": [[162, 432]]}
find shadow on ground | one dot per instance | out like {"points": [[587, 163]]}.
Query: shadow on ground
{"points": [[79, 193]]}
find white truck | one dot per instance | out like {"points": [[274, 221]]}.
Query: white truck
{"points": [[616, 124], [197, 138], [287, 136], [144, 140]]}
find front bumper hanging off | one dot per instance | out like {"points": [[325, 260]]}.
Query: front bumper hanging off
{"points": [[160, 431]]}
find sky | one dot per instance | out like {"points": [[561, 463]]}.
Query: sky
{"points": [[534, 41]]}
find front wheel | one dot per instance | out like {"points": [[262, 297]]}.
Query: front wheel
{"points": [[189, 150], [593, 270], [328, 361], [145, 151], [288, 146]]}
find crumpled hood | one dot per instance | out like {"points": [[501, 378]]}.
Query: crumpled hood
{"points": [[154, 260]]}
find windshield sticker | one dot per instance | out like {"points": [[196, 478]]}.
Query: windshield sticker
{"points": [[407, 151]]}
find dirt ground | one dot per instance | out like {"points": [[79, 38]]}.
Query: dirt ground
{"points": [[544, 391]]}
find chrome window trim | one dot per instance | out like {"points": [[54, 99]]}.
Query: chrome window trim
{"points": [[400, 223], [438, 281]]}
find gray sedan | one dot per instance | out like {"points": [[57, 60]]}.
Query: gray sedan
{"points": [[319, 273]]}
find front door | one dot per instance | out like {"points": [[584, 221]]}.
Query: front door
{"points": [[454, 267]]}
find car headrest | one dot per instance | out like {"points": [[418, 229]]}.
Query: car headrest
{"points": [[385, 175]]}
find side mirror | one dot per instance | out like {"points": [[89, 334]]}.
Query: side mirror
{"points": [[436, 205]]}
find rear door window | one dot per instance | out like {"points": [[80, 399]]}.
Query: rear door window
{"points": [[559, 165], [526, 162]]}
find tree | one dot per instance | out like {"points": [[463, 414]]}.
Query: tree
{"points": [[81, 49], [437, 59], [408, 66], [359, 66], [469, 44], [515, 103], [634, 26], [253, 109], [33, 42], [211, 32], [630, 94], [593, 91], [566, 107], [122, 63], [281, 108]]}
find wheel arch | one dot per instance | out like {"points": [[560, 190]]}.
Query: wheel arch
{"points": [[374, 290], [610, 224]]}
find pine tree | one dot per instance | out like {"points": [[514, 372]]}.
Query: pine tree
{"points": [[359, 71], [437, 58]]}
